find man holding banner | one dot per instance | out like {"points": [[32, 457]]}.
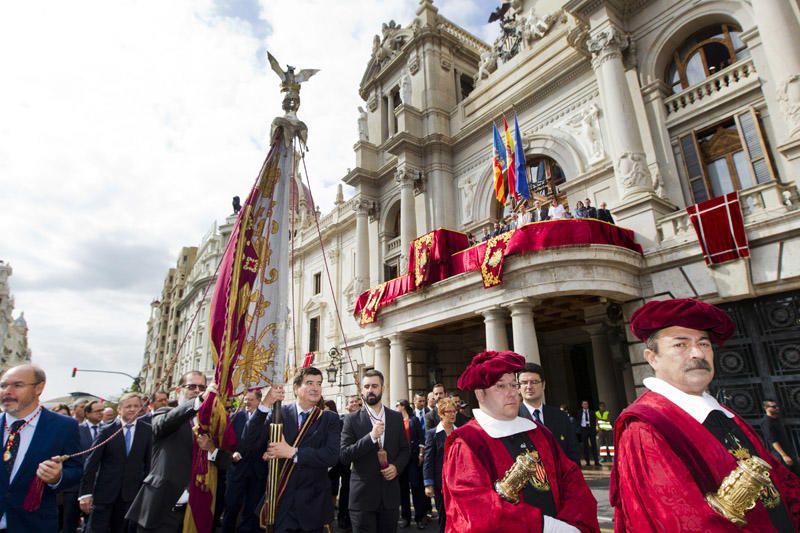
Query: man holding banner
{"points": [[310, 446]]}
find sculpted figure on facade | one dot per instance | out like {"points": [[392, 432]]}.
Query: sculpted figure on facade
{"points": [[487, 65], [585, 127], [632, 170], [405, 89], [789, 98], [467, 186], [363, 130]]}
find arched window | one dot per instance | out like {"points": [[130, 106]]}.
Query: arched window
{"points": [[544, 176], [704, 54]]}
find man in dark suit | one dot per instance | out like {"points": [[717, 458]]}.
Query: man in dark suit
{"points": [[432, 418], [587, 424], [531, 387], [156, 401], [374, 440], [591, 211], [539, 213], [160, 505], [114, 472], [31, 435], [353, 405], [247, 475], [306, 505], [72, 511], [420, 410], [604, 214]]}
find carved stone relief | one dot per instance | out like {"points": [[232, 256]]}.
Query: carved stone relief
{"points": [[789, 99], [631, 168], [584, 126], [363, 130]]}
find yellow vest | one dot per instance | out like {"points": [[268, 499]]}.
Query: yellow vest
{"points": [[603, 423]]}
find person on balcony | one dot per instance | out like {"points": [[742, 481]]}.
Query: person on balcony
{"points": [[557, 212], [581, 211], [604, 214]]}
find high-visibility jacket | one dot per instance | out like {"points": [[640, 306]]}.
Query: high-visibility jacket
{"points": [[603, 421]]}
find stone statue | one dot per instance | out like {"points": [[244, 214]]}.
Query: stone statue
{"points": [[290, 84], [405, 89], [363, 130], [237, 206], [487, 65], [585, 127]]}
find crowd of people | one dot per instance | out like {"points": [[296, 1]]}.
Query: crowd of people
{"points": [[512, 463], [521, 213]]}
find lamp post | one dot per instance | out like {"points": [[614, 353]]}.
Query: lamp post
{"points": [[336, 362]]}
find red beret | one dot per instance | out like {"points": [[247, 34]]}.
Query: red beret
{"points": [[488, 367], [684, 312]]}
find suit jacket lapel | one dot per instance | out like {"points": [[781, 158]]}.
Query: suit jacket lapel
{"points": [[3, 470]]}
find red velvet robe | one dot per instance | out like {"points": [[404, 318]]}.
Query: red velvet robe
{"points": [[474, 461], [665, 463]]}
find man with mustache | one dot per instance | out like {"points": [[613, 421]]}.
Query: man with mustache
{"points": [[676, 443]]}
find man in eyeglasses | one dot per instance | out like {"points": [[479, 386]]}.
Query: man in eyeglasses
{"points": [[161, 502], [775, 436], [554, 497], [31, 437], [532, 407]]}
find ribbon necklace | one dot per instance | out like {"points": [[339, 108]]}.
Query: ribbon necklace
{"points": [[376, 419], [13, 435]]}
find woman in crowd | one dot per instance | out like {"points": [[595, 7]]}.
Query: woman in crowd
{"points": [[411, 476], [434, 454]]}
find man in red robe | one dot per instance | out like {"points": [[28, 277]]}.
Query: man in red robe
{"points": [[676, 443], [556, 500]]}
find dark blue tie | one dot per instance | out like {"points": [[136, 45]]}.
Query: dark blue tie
{"points": [[128, 438], [303, 418], [536, 416]]}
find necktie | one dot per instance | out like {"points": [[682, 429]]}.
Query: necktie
{"points": [[421, 416], [536, 416], [303, 418], [12, 450], [94, 432], [128, 438]]}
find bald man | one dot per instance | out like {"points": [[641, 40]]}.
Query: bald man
{"points": [[32, 436]]}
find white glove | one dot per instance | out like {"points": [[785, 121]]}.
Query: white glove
{"points": [[554, 525]]}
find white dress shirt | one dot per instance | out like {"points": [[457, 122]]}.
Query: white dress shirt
{"points": [[531, 409], [381, 417], [557, 211], [698, 407]]}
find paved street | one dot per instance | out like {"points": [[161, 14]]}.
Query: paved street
{"points": [[598, 482]]}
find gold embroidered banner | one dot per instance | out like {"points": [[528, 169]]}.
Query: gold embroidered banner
{"points": [[492, 264]]}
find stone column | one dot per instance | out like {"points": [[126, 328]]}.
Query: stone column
{"points": [[780, 35], [408, 222], [627, 150], [398, 368], [382, 358], [362, 206], [495, 321], [603, 367], [523, 331]]}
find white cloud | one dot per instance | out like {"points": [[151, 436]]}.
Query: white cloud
{"points": [[128, 126]]}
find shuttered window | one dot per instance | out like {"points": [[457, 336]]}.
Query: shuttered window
{"points": [[732, 155]]}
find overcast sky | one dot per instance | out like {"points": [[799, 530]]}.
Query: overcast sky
{"points": [[126, 128]]}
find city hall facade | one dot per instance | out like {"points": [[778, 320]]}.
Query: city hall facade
{"points": [[647, 106]]}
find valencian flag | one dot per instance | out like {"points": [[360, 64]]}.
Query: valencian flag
{"points": [[511, 168], [520, 171], [499, 161], [247, 322]]}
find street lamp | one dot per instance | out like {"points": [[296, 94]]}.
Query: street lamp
{"points": [[336, 361]]}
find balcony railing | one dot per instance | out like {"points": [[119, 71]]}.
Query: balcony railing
{"points": [[758, 203], [727, 80], [393, 247]]}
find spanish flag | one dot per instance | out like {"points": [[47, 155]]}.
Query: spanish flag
{"points": [[499, 161], [511, 167]]}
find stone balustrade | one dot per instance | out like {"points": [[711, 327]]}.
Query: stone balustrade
{"points": [[758, 204], [728, 80], [393, 246]]}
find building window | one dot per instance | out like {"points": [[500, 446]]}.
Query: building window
{"points": [[729, 156], [391, 269], [317, 282], [466, 84], [313, 334], [704, 54], [544, 176]]}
